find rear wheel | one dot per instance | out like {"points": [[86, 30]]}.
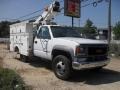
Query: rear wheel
{"points": [[62, 67], [16, 54], [23, 58]]}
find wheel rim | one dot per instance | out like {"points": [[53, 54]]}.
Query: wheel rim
{"points": [[60, 68]]}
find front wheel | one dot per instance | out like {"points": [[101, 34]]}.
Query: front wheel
{"points": [[62, 67]]}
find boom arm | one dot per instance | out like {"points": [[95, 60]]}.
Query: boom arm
{"points": [[49, 14]]}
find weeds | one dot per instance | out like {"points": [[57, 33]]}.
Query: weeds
{"points": [[9, 80], [1, 62], [115, 49]]}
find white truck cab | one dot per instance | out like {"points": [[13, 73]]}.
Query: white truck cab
{"points": [[56, 42]]}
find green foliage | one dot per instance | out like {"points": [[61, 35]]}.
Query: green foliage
{"points": [[5, 29], [116, 31], [115, 49], [89, 23], [89, 28], [9, 80]]}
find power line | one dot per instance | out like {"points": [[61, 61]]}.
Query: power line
{"points": [[30, 18], [43, 9], [28, 14], [38, 11], [84, 0], [94, 3], [32, 13]]}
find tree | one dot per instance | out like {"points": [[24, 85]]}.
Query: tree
{"points": [[89, 29], [5, 29], [116, 31]]}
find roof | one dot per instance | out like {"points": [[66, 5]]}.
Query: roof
{"points": [[102, 29]]}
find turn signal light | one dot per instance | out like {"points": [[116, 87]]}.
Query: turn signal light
{"points": [[77, 50]]}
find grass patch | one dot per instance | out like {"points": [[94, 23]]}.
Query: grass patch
{"points": [[9, 80], [1, 62]]}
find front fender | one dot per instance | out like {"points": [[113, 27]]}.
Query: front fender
{"points": [[65, 48]]}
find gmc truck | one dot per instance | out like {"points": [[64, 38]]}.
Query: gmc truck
{"points": [[62, 45]]}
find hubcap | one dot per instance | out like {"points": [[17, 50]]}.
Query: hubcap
{"points": [[60, 68]]}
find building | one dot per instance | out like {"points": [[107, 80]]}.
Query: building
{"points": [[102, 33]]}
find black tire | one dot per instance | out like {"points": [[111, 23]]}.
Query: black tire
{"points": [[23, 58], [65, 72]]}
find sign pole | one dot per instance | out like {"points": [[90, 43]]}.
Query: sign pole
{"points": [[109, 23]]}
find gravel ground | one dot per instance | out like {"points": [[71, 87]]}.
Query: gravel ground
{"points": [[39, 75]]}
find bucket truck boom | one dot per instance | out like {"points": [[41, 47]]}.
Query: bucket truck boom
{"points": [[49, 14]]}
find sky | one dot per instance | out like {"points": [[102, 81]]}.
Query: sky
{"points": [[12, 9]]}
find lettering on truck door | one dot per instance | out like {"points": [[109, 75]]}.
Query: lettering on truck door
{"points": [[41, 42]]}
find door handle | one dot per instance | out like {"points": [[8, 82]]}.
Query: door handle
{"points": [[35, 41]]}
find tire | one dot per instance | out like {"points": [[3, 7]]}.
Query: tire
{"points": [[23, 58], [62, 67]]}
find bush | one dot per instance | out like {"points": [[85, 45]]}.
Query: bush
{"points": [[9, 80], [115, 49]]}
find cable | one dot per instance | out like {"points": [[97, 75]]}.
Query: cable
{"points": [[84, 0], [30, 18], [32, 14], [94, 4], [43, 9], [29, 14]]}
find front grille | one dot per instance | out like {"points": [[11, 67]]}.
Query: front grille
{"points": [[96, 58], [97, 50]]}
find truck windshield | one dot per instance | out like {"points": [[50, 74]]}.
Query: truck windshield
{"points": [[58, 31]]}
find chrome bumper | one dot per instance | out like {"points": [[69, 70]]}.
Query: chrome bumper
{"points": [[88, 65]]}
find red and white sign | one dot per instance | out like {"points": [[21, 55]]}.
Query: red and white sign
{"points": [[72, 8]]}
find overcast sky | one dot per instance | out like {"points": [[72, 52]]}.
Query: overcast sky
{"points": [[12, 9]]}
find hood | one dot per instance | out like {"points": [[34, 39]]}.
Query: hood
{"points": [[85, 41]]}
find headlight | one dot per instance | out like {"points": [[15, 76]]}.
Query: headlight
{"points": [[80, 51]]}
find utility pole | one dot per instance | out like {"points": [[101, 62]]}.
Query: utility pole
{"points": [[109, 22], [79, 22], [72, 22]]}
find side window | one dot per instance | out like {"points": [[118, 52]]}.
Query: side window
{"points": [[44, 33]]}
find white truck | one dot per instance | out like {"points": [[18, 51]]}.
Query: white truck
{"points": [[62, 45]]}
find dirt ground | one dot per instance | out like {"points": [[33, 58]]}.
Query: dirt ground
{"points": [[39, 75]]}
